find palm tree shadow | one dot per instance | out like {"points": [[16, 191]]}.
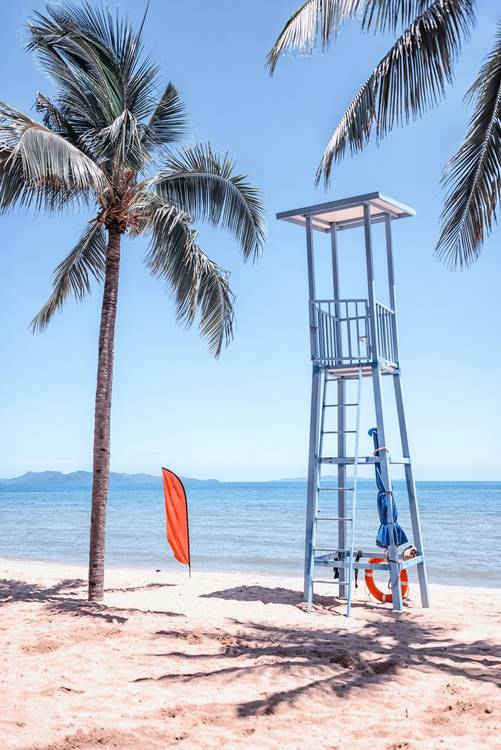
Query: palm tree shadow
{"points": [[336, 660], [366, 658], [267, 595], [12, 590], [67, 597], [277, 595], [144, 587]]}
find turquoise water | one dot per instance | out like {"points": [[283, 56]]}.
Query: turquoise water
{"points": [[253, 526]]}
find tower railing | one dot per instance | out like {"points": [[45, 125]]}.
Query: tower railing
{"points": [[342, 333], [386, 333]]}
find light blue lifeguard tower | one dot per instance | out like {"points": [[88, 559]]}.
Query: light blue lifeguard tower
{"points": [[352, 339]]}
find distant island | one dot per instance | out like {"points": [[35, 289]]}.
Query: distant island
{"points": [[57, 480], [83, 480]]}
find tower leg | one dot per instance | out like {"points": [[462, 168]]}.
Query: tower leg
{"points": [[341, 481], [411, 492], [311, 503], [384, 463]]}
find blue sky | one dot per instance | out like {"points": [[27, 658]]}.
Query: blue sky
{"points": [[245, 416]]}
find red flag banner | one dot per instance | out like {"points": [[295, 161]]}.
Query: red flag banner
{"points": [[176, 511]]}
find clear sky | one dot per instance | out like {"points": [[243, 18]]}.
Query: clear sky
{"points": [[245, 416]]}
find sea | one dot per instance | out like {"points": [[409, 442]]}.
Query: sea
{"points": [[253, 526]]}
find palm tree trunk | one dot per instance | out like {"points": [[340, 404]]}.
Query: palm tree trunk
{"points": [[101, 459]]}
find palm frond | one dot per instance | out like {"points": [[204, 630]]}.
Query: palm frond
{"points": [[390, 15], [410, 79], [96, 62], [15, 190], [115, 48], [42, 163], [199, 284], [91, 99], [202, 184], [73, 275], [120, 142], [317, 22], [472, 178], [167, 124], [215, 301], [314, 19], [54, 119]]}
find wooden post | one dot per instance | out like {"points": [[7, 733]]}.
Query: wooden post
{"points": [[311, 500], [411, 493], [383, 456], [341, 416], [397, 385]]}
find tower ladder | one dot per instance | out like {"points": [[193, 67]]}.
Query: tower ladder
{"points": [[337, 553]]}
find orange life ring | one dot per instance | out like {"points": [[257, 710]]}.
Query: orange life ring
{"points": [[376, 593]]}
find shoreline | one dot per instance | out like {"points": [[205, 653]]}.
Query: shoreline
{"points": [[179, 573]]}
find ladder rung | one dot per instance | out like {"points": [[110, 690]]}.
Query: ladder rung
{"points": [[333, 518], [339, 432], [359, 565], [375, 553], [362, 461], [336, 489], [329, 549], [347, 460], [323, 580], [330, 406]]}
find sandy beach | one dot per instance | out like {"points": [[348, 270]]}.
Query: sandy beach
{"points": [[233, 661]]}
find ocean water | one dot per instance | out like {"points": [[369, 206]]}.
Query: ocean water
{"points": [[254, 526]]}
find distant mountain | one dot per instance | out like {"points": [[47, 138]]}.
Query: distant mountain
{"points": [[83, 479]]}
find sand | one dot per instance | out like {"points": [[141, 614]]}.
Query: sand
{"points": [[233, 661]]}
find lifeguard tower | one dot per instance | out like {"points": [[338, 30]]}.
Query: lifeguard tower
{"points": [[352, 339]]}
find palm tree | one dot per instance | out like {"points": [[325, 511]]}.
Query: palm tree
{"points": [[96, 147], [410, 79]]}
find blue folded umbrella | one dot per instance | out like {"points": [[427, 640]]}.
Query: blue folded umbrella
{"points": [[388, 531]]}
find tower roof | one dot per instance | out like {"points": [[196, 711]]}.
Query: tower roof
{"points": [[348, 212]]}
